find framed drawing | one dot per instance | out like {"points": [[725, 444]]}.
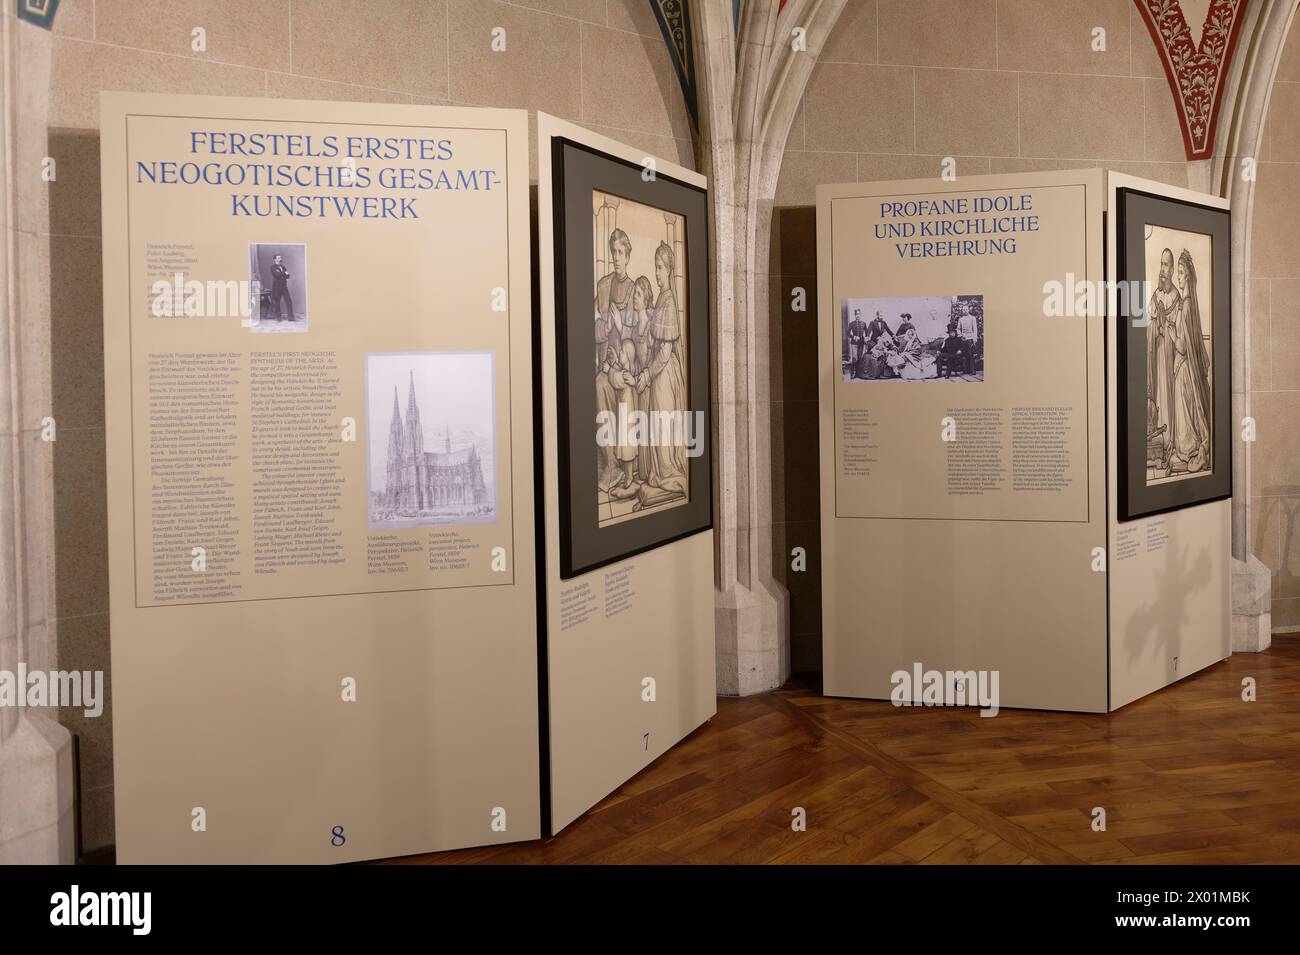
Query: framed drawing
{"points": [[1173, 381], [632, 343]]}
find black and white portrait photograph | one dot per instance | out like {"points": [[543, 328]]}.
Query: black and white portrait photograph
{"points": [[430, 439], [1180, 356], [277, 276], [930, 338]]}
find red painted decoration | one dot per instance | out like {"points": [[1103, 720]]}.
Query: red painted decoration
{"points": [[1196, 73]]}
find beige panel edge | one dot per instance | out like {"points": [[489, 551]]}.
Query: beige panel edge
{"points": [[1155, 615], [235, 707], [597, 717], [1050, 642]]}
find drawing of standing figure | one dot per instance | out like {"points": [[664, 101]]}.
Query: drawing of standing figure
{"points": [[613, 302], [626, 364], [1161, 313], [1190, 445], [663, 386]]}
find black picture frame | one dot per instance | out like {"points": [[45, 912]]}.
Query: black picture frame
{"points": [[578, 171], [1136, 210]]}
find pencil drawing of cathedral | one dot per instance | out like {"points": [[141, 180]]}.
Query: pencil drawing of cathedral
{"points": [[423, 480], [423, 486]]}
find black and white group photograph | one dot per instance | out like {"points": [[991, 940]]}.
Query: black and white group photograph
{"points": [[930, 338]]}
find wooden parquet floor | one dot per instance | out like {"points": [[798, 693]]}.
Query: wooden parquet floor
{"points": [[1191, 774]]}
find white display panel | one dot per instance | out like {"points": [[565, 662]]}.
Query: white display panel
{"points": [[962, 443], [320, 478]]}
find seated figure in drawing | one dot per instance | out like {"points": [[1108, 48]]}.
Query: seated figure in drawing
{"points": [[1189, 448]]}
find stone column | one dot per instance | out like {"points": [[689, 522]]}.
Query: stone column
{"points": [[1248, 87], [751, 79], [36, 797]]}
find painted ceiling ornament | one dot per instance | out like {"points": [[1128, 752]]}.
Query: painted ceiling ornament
{"points": [[675, 24], [39, 12], [1196, 70]]}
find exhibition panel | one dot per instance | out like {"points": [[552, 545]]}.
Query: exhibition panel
{"points": [[320, 478], [647, 432], [626, 452], [962, 439], [1170, 434]]}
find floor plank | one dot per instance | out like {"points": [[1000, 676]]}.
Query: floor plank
{"points": [[1191, 774]]}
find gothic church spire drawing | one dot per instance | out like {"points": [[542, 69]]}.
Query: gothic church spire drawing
{"points": [[422, 481]]}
